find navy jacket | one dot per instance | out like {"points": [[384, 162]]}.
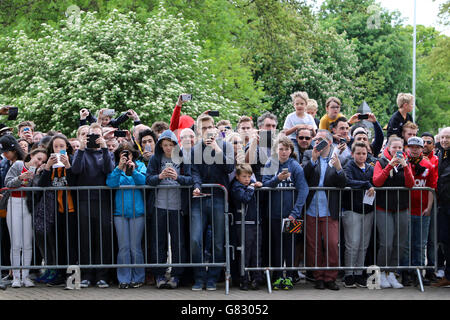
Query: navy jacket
{"points": [[333, 178], [285, 203], [357, 179], [246, 195], [214, 173]]}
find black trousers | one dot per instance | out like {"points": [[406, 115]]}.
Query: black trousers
{"points": [[96, 239]]}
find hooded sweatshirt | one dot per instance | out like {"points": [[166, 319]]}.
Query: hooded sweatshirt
{"points": [[92, 167], [284, 203], [170, 199]]}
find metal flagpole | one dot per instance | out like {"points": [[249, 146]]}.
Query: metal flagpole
{"points": [[414, 66]]}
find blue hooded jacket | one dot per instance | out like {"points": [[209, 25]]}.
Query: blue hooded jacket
{"points": [[133, 203], [285, 199]]}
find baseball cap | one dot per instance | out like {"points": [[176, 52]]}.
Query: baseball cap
{"points": [[4, 129], [415, 141], [8, 143]]}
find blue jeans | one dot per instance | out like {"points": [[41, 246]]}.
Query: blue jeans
{"points": [[129, 237], [164, 222], [419, 238], [205, 211]]}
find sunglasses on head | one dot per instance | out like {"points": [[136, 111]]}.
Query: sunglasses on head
{"points": [[303, 138]]}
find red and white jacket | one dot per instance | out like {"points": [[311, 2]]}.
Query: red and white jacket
{"points": [[424, 176]]}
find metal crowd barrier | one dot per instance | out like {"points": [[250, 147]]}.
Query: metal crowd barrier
{"points": [[91, 243], [265, 255]]}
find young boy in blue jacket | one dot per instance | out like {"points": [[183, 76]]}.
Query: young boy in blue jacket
{"points": [[244, 199], [166, 168], [284, 204]]}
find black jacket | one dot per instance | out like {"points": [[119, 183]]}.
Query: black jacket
{"points": [[443, 183], [357, 179], [332, 179], [395, 125]]}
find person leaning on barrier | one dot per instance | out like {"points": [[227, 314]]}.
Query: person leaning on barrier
{"points": [[421, 206], [166, 168], [443, 195], [57, 173], [92, 165], [357, 217], [129, 220], [212, 161], [392, 170], [283, 170], [243, 194], [323, 169], [19, 219]]}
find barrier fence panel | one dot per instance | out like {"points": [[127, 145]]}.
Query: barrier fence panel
{"points": [[95, 230], [387, 233]]}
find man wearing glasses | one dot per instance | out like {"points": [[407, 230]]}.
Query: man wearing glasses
{"points": [[304, 138]]}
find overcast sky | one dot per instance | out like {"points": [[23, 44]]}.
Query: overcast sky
{"points": [[427, 11]]}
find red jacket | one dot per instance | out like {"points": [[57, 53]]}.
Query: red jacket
{"points": [[435, 163], [424, 176], [178, 122], [385, 175], [380, 175]]}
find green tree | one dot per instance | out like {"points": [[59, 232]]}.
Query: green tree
{"points": [[383, 48], [116, 63]]}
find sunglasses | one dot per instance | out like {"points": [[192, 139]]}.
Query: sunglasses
{"points": [[428, 142], [303, 138]]}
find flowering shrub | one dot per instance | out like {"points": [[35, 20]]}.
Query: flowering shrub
{"points": [[117, 63]]}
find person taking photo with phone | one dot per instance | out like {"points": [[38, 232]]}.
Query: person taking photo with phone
{"points": [[392, 208], [166, 168], [129, 210], [322, 168]]}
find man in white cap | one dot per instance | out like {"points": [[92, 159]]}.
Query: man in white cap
{"points": [[421, 204]]}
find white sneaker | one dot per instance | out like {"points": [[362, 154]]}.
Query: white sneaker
{"points": [[393, 281], [440, 274], [28, 283], [301, 275], [16, 283], [384, 283]]}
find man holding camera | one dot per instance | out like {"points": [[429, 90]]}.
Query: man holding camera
{"points": [[105, 117], [92, 163], [322, 168]]}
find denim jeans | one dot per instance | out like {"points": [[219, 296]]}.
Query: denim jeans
{"points": [[419, 237], [164, 222], [207, 211], [129, 237]]}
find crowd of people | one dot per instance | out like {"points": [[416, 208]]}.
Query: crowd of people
{"points": [[82, 227]]}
